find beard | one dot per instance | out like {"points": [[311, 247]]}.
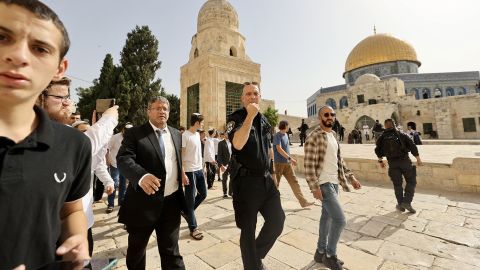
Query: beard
{"points": [[327, 123]]}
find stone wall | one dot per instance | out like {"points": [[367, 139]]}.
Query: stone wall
{"points": [[463, 175]]}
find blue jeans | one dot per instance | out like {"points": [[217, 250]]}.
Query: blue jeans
{"points": [[332, 220], [195, 193], [120, 184]]}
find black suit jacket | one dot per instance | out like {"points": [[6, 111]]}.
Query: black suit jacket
{"points": [[223, 154], [139, 155]]}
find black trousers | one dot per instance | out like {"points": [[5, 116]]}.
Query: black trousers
{"points": [[398, 168], [225, 175], [90, 241], [252, 195], [98, 189], [211, 171], [167, 230]]}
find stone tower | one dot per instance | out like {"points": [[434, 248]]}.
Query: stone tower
{"points": [[211, 81]]}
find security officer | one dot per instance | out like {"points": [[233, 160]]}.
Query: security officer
{"points": [[253, 186], [395, 145]]}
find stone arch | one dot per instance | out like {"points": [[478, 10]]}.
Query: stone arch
{"points": [[395, 118], [233, 51], [331, 102], [461, 91], [364, 119], [437, 93], [344, 102], [449, 92], [426, 93]]}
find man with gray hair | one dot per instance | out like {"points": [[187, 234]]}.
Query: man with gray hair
{"points": [[150, 159]]}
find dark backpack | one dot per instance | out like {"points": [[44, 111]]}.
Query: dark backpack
{"points": [[392, 145]]}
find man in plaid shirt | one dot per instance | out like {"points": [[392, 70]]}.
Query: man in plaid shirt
{"points": [[325, 169]]}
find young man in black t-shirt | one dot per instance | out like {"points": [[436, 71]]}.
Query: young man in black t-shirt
{"points": [[44, 166]]}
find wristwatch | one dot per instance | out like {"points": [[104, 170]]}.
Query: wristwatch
{"points": [[289, 158]]}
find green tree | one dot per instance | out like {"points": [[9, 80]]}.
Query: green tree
{"points": [[174, 118], [272, 117], [103, 87], [136, 82]]}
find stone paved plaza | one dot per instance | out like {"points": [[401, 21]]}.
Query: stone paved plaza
{"points": [[443, 234]]}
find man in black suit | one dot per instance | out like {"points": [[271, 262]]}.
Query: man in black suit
{"points": [[150, 159], [224, 153]]}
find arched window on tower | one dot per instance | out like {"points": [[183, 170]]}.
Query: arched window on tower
{"points": [[233, 51], [461, 91], [331, 102], [343, 102], [450, 92], [416, 92], [438, 93], [195, 53], [426, 93]]}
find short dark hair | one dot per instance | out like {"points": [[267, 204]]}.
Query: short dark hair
{"points": [[63, 81], [283, 124], [195, 117], [390, 120], [160, 99], [181, 128], [211, 131], [43, 12]]}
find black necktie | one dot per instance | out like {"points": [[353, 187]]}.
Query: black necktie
{"points": [[160, 142]]}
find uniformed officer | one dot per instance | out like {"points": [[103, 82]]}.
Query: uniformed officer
{"points": [[253, 186]]}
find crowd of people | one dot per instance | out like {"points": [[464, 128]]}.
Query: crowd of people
{"points": [[48, 158]]}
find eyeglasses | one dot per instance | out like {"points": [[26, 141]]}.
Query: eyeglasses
{"points": [[59, 98], [252, 83], [331, 114]]}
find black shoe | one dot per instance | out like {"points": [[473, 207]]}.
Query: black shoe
{"points": [[318, 257], [109, 210], [225, 196], [408, 207], [400, 208], [332, 262]]}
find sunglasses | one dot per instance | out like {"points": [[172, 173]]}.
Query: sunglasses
{"points": [[331, 114], [250, 83]]}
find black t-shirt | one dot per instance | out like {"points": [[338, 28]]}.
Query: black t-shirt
{"points": [[254, 154], [38, 175]]}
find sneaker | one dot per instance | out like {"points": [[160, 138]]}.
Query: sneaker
{"points": [[400, 208], [225, 196], [332, 262], [318, 257], [109, 210], [408, 207]]}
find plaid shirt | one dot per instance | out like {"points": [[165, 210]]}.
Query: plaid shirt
{"points": [[315, 149]]}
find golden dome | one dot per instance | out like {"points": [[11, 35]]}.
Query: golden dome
{"points": [[217, 13], [380, 48]]}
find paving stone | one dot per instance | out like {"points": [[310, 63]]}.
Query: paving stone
{"points": [[272, 263], [312, 227], [457, 234], [388, 220], [357, 260], [404, 255], [355, 222], [416, 225], [450, 264], [471, 213], [429, 206], [193, 262], [225, 231], [211, 255], [466, 205], [187, 245], [359, 209], [389, 265], [372, 228], [443, 217], [472, 223], [368, 244], [302, 240], [348, 237], [295, 222], [290, 255]]}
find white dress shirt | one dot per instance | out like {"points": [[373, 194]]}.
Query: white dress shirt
{"points": [[170, 159], [99, 135], [209, 150], [113, 147]]}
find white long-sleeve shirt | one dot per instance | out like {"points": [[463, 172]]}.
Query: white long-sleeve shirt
{"points": [[209, 150], [99, 135]]}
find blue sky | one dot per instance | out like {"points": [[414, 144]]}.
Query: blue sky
{"points": [[302, 45]]}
